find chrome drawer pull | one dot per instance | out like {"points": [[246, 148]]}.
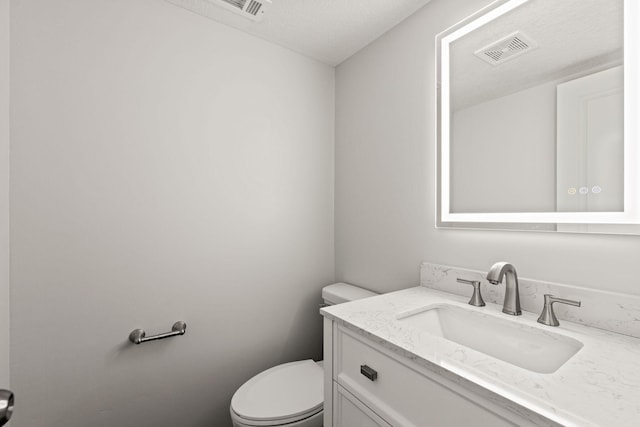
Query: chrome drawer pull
{"points": [[368, 372]]}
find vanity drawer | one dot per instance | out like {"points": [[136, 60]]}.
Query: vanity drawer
{"points": [[350, 412], [400, 394]]}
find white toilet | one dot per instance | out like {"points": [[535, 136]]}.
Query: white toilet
{"points": [[290, 394]]}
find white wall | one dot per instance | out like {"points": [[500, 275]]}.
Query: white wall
{"points": [[385, 178], [507, 156], [164, 168], [4, 194]]}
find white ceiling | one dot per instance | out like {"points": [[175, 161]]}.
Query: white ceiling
{"points": [[327, 30], [572, 36]]}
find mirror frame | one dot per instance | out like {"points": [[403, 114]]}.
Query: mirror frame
{"points": [[631, 213]]}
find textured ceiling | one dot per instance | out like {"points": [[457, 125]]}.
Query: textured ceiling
{"points": [[327, 30], [572, 35]]}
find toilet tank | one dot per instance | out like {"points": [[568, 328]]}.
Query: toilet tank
{"points": [[343, 292]]}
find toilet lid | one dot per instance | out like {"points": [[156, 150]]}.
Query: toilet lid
{"points": [[285, 391]]}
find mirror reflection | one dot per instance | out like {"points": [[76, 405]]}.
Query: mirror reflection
{"points": [[532, 104], [537, 110]]}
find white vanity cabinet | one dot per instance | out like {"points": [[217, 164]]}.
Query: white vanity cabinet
{"points": [[349, 411], [369, 385]]}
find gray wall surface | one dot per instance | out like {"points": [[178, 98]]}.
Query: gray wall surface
{"points": [[525, 178], [385, 179], [164, 167], [4, 194]]}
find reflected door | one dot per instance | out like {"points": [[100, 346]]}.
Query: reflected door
{"points": [[590, 143]]}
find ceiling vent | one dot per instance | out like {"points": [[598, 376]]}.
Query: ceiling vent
{"points": [[252, 9], [507, 48]]}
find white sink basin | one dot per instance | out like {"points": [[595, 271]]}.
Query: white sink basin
{"points": [[513, 342]]}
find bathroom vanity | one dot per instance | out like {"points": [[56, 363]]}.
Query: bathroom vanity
{"points": [[385, 365], [405, 392]]}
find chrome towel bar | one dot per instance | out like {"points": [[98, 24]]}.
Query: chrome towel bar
{"points": [[137, 336]]}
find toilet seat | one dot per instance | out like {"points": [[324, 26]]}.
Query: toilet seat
{"points": [[315, 420], [281, 395]]}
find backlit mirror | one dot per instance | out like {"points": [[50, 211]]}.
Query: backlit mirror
{"points": [[538, 107]]}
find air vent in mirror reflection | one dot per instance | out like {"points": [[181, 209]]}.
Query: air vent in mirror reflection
{"points": [[509, 47]]}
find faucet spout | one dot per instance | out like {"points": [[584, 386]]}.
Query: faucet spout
{"points": [[512, 293]]}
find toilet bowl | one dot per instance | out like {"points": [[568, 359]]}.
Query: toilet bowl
{"points": [[290, 394]]}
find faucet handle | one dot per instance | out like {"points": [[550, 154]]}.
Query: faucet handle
{"points": [[476, 298], [548, 317]]}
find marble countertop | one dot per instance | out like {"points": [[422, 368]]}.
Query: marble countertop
{"points": [[599, 386]]}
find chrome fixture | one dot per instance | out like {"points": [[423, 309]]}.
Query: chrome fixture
{"points": [[137, 336], [476, 298], [6, 406], [548, 317], [512, 293]]}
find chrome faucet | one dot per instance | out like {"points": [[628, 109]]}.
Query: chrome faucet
{"points": [[512, 293], [548, 317], [476, 298]]}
